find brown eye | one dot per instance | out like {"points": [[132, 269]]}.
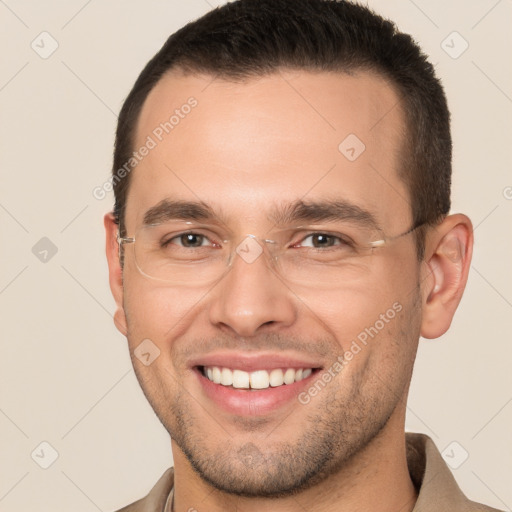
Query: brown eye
{"points": [[322, 240], [192, 240], [188, 241]]}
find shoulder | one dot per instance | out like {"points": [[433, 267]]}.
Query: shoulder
{"points": [[436, 486], [156, 498]]}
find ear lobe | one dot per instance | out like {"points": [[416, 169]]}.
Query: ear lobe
{"points": [[115, 271], [450, 250]]}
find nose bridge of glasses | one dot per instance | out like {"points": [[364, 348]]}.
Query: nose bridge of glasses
{"points": [[252, 247]]}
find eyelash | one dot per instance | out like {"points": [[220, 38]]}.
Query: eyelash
{"points": [[165, 243], [342, 240]]}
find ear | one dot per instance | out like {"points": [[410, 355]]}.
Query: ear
{"points": [[447, 260], [115, 271]]}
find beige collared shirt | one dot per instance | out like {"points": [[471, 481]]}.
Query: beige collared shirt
{"points": [[437, 489]]}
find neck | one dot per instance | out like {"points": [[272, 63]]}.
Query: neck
{"points": [[376, 479]]}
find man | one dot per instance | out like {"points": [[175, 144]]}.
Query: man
{"points": [[280, 241]]}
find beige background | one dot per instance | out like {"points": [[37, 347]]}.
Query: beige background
{"points": [[65, 373]]}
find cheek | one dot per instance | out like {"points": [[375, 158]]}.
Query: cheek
{"points": [[158, 313], [369, 313], [157, 317], [356, 318]]}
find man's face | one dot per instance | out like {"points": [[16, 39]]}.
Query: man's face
{"points": [[245, 150]]}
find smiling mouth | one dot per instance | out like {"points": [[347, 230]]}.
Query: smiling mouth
{"points": [[256, 380]]}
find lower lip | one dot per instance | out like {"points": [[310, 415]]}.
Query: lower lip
{"points": [[247, 402]]}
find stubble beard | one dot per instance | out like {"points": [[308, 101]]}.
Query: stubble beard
{"points": [[344, 419]]}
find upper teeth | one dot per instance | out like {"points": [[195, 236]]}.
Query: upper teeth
{"points": [[260, 379]]}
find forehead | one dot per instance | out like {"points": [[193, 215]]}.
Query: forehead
{"points": [[243, 146]]}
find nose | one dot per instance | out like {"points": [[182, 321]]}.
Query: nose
{"points": [[251, 297]]}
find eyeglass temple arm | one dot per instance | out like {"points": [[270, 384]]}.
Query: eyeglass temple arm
{"points": [[383, 241], [123, 240]]}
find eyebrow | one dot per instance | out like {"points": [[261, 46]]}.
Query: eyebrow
{"points": [[325, 210], [298, 211], [183, 210]]}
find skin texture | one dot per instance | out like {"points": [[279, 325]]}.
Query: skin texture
{"points": [[245, 147]]}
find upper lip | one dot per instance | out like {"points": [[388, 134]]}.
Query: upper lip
{"points": [[251, 362]]}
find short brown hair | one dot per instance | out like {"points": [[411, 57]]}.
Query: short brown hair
{"points": [[249, 38]]}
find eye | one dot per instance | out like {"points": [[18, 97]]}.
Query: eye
{"points": [[323, 240], [189, 241]]}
